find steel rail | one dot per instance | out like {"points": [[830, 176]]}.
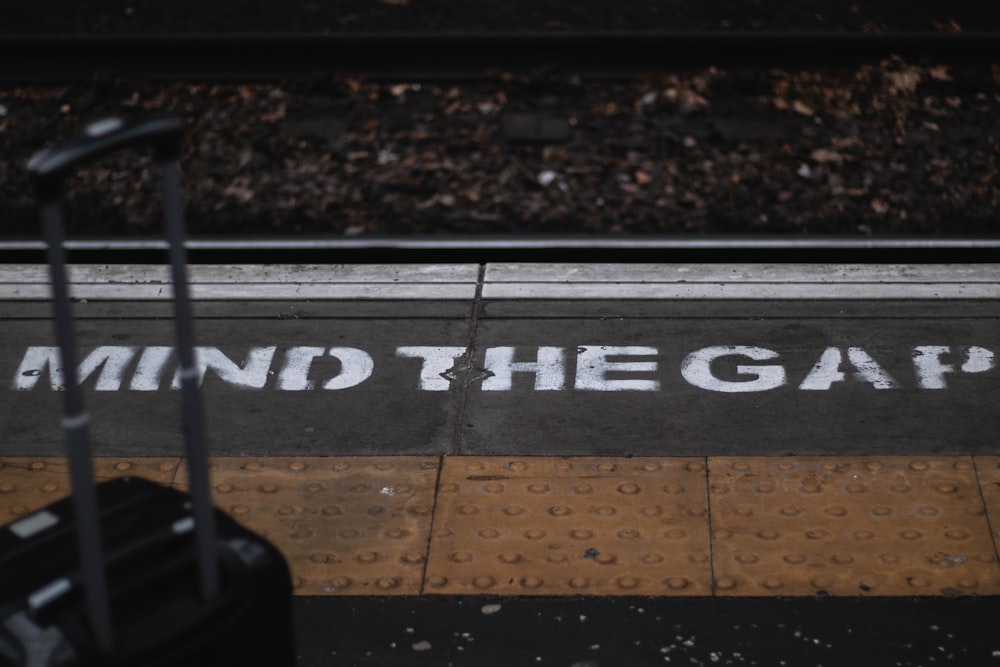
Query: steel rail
{"points": [[248, 57], [304, 250]]}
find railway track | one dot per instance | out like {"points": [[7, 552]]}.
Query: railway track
{"points": [[255, 57], [411, 56]]}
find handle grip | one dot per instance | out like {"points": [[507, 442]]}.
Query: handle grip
{"points": [[49, 167]]}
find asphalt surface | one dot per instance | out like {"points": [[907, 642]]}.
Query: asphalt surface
{"points": [[597, 632], [616, 378]]}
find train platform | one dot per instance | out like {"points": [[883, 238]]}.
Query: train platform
{"points": [[563, 464]]}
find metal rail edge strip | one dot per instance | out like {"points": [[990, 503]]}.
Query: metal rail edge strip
{"points": [[324, 250]]}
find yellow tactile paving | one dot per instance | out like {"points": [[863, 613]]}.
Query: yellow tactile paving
{"points": [[988, 468], [878, 526], [582, 526], [846, 526], [350, 526], [28, 484]]}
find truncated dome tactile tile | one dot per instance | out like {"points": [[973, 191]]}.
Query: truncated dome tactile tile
{"points": [[781, 526], [577, 526], [988, 468], [31, 483], [347, 526], [858, 526]]}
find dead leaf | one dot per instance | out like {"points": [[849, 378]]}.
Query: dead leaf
{"points": [[272, 118], [486, 108], [690, 101], [903, 82], [246, 155], [880, 206], [826, 155], [845, 142], [939, 73], [798, 106], [239, 193], [949, 26]]}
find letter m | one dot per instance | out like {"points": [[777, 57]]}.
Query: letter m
{"points": [[111, 359]]}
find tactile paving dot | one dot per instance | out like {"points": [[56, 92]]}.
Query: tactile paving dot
{"points": [[347, 526], [849, 526], [580, 526], [31, 483]]}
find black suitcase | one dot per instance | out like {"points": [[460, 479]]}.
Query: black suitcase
{"points": [[129, 572]]}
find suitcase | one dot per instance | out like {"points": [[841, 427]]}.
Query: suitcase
{"points": [[129, 572]]}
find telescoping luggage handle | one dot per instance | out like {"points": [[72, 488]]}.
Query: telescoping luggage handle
{"points": [[47, 170]]}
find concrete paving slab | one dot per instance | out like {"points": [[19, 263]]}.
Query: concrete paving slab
{"points": [[125, 282], [735, 384], [326, 309], [293, 386], [731, 281]]}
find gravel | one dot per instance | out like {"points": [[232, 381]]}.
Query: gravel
{"points": [[894, 148]]}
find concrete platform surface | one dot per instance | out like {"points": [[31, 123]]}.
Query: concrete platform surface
{"points": [[522, 359], [579, 465]]}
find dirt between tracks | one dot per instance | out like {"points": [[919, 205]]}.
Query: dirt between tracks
{"points": [[888, 148], [352, 16]]}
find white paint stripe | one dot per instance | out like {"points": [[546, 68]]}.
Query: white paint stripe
{"points": [[741, 281], [243, 292], [516, 281], [757, 291], [279, 274], [236, 282], [519, 273], [447, 274]]}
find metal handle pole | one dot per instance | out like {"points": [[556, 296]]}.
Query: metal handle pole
{"points": [[193, 424], [75, 421]]}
